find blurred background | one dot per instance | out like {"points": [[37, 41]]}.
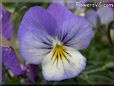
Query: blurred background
{"points": [[100, 53]]}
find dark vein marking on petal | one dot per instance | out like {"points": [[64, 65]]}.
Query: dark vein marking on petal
{"points": [[64, 37], [43, 48], [66, 52], [53, 55], [49, 40], [54, 60], [45, 53], [57, 57], [46, 43], [69, 39], [65, 56]]}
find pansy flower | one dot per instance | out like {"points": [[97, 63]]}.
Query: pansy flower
{"points": [[9, 58], [105, 14], [52, 37]]}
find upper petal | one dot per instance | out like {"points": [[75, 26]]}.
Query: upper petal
{"points": [[10, 60], [73, 30], [59, 12], [65, 65], [37, 18]]}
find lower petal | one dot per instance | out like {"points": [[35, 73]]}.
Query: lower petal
{"points": [[65, 67]]}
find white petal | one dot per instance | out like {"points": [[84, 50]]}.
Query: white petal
{"points": [[56, 70]]}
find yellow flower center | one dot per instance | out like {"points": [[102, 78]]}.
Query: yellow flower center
{"points": [[59, 52]]}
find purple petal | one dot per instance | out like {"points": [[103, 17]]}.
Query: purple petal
{"points": [[76, 32], [6, 14], [91, 16], [7, 26], [35, 45], [106, 14], [73, 30], [37, 18], [7, 29], [33, 69], [10, 60], [59, 12]]}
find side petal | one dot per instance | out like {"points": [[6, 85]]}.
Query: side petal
{"points": [[76, 32], [37, 18], [64, 68], [10, 60], [106, 14], [35, 45]]}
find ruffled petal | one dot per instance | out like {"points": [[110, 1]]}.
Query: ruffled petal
{"points": [[69, 65], [106, 14], [35, 45], [10, 60]]}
